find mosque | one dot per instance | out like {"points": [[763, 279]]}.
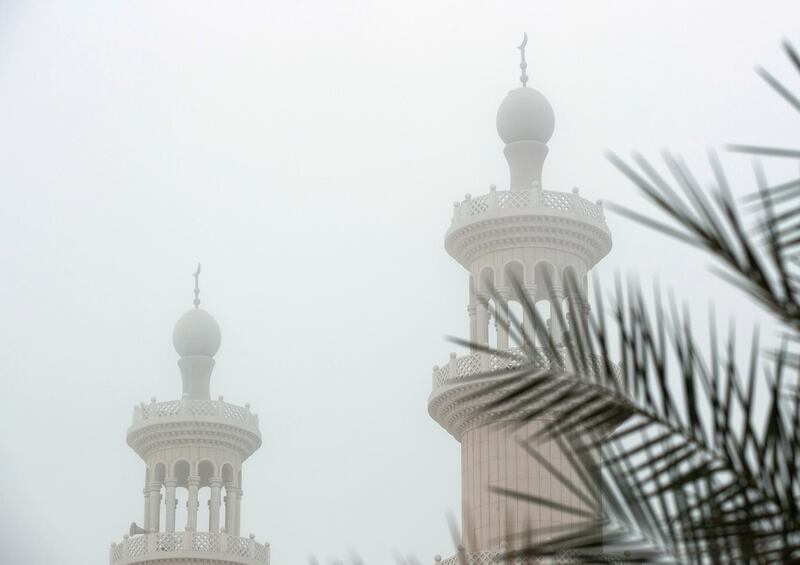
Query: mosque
{"points": [[519, 245]]}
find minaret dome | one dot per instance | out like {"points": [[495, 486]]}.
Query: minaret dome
{"points": [[525, 115], [196, 333]]}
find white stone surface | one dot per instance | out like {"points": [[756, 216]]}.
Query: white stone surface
{"points": [[525, 115], [196, 333], [190, 447], [546, 241]]}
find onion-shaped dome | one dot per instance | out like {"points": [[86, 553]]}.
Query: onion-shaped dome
{"points": [[196, 333], [525, 115]]}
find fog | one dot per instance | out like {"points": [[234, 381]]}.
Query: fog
{"points": [[308, 154]]}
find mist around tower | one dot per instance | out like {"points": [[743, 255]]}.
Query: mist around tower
{"points": [[347, 284]]}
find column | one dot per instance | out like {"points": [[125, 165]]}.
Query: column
{"points": [[556, 313], [155, 507], [170, 502], [482, 334], [146, 493], [573, 317], [579, 320], [191, 504], [237, 510], [501, 318], [472, 310], [213, 503], [586, 312], [229, 521], [529, 300]]}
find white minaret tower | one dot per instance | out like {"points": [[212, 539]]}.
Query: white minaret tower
{"points": [[543, 239], [193, 449]]}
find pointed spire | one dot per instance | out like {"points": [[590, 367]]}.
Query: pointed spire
{"points": [[523, 65], [197, 287]]}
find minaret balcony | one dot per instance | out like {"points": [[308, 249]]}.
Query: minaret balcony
{"points": [[198, 422], [465, 389], [531, 218], [190, 547], [568, 204], [218, 409]]}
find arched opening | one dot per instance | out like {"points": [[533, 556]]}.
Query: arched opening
{"points": [[160, 473], [181, 470], [228, 484], [572, 297], [158, 515], [205, 470], [514, 281], [516, 316], [541, 322], [544, 278]]}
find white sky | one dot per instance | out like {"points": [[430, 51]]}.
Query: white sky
{"points": [[308, 153]]}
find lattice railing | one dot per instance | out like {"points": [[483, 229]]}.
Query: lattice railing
{"points": [[261, 553], [514, 199], [117, 552], [556, 200], [237, 550], [210, 408], [136, 547], [484, 558], [475, 364], [496, 558], [532, 199], [169, 542], [206, 542], [238, 546]]}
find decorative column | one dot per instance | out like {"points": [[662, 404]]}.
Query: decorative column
{"points": [[482, 334], [529, 299], [501, 318], [213, 504], [472, 310], [155, 507], [146, 493], [237, 510], [586, 312], [191, 504], [556, 313], [170, 502], [229, 518]]}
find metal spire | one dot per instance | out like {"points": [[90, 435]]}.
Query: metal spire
{"points": [[197, 287], [523, 65]]}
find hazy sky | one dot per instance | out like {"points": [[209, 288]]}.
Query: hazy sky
{"points": [[308, 153]]}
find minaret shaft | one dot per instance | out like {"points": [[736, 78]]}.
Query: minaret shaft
{"points": [[525, 162]]}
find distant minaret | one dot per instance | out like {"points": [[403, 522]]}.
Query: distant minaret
{"points": [[188, 446], [543, 239]]}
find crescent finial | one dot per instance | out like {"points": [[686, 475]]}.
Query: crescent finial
{"points": [[197, 287], [523, 65]]}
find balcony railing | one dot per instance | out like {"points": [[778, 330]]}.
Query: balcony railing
{"points": [[210, 408], [496, 558], [485, 558], [189, 545], [475, 364], [533, 199]]}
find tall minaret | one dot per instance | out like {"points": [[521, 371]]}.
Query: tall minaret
{"points": [[544, 240], [193, 449]]}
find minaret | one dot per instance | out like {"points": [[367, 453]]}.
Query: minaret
{"points": [[193, 449], [544, 240]]}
